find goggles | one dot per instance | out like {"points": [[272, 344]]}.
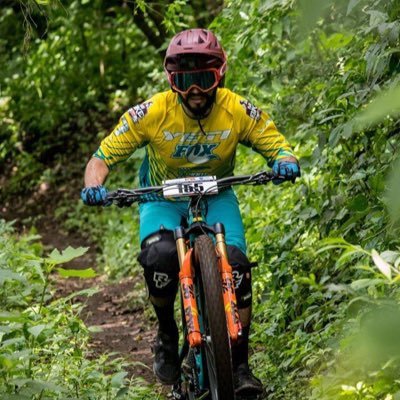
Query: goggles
{"points": [[203, 80]]}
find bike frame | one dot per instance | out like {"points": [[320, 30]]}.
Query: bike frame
{"points": [[185, 239]]}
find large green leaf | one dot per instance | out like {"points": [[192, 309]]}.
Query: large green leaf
{"points": [[37, 385], [118, 379], [37, 329], [7, 275], [57, 257], [11, 316], [384, 105], [352, 4], [359, 203], [310, 12], [381, 264]]}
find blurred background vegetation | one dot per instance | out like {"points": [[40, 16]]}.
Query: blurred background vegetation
{"points": [[327, 288]]}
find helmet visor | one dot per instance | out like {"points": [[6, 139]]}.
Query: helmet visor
{"points": [[205, 80]]}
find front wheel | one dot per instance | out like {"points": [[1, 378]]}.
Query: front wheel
{"points": [[216, 346]]}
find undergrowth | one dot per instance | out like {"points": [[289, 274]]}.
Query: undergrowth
{"points": [[44, 352]]}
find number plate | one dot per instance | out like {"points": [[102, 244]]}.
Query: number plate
{"points": [[190, 186]]}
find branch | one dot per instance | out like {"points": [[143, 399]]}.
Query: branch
{"points": [[156, 36], [157, 16], [156, 40], [205, 11]]}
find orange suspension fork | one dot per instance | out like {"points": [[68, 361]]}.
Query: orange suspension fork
{"points": [[228, 289], [186, 275]]}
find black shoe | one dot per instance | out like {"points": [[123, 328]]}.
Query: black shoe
{"points": [[246, 384], [166, 360]]}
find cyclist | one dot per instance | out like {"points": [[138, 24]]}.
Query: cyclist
{"points": [[191, 130]]}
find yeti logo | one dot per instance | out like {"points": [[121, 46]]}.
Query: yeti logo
{"points": [[193, 137], [198, 153], [161, 280], [237, 277]]}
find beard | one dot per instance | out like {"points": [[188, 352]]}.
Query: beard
{"points": [[199, 110]]}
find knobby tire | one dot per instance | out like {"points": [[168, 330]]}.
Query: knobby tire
{"points": [[217, 351]]}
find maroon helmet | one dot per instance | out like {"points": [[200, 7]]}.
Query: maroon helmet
{"points": [[194, 50]]}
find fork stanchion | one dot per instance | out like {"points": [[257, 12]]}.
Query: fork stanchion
{"points": [[180, 245]]}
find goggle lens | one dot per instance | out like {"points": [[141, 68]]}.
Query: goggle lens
{"points": [[204, 80]]}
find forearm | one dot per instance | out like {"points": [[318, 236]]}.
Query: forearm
{"points": [[96, 172]]}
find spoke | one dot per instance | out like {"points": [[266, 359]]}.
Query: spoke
{"points": [[203, 396], [210, 354], [212, 373]]}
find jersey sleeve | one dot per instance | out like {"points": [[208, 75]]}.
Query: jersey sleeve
{"points": [[127, 136], [258, 131]]}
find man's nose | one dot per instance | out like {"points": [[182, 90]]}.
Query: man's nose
{"points": [[195, 91]]}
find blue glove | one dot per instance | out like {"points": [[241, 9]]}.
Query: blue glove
{"points": [[288, 168], [95, 196]]}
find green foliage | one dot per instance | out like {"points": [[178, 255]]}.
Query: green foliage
{"points": [[43, 342], [366, 359], [173, 17], [316, 69], [82, 69], [387, 104], [317, 78], [328, 249], [392, 194]]}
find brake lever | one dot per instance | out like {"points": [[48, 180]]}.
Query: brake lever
{"points": [[124, 202], [262, 178], [121, 198], [283, 178]]}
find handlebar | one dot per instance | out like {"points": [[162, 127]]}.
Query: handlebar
{"points": [[126, 197]]}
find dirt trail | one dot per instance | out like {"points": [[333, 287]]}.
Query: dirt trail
{"points": [[125, 328]]}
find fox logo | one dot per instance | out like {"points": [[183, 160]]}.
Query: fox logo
{"points": [[198, 153], [194, 147]]}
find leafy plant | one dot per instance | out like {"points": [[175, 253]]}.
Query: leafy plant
{"points": [[316, 79], [43, 341]]}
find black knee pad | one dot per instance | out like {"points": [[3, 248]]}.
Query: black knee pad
{"points": [[159, 260], [241, 270]]}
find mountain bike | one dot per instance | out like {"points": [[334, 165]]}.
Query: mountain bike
{"points": [[210, 317]]}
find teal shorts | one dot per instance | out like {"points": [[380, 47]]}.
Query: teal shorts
{"points": [[223, 208]]}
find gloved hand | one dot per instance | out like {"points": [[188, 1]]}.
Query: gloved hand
{"points": [[286, 167], [95, 196]]}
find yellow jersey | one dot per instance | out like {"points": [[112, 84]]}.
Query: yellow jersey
{"points": [[176, 146]]}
